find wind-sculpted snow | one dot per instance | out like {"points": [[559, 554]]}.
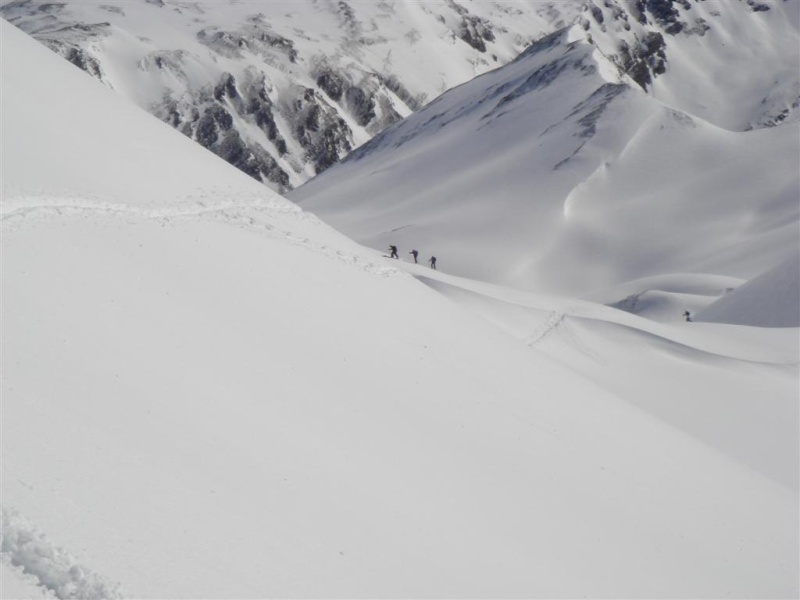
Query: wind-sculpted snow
{"points": [[772, 299], [591, 181], [23, 546]]}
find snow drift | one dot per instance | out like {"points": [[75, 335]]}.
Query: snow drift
{"points": [[770, 300]]}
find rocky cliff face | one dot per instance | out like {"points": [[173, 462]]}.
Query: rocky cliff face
{"points": [[282, 90]]}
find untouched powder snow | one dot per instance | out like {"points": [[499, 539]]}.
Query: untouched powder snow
{"points": [[209, 393], [770, 300]]}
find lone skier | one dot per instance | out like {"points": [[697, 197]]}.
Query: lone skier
{"points": [[688, 316], [414, 254], [393, 250], [433, 262]]}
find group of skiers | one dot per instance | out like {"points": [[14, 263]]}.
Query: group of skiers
{"points": [[414, 253]]}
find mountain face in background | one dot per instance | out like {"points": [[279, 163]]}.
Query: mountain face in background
{"points": [[648, 139], [733, 63], [282, 90]]}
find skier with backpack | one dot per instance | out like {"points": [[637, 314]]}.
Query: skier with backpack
{"points": [[393, 252]]}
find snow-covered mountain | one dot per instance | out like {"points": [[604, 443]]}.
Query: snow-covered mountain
{"points": [[733, 63], [207, 392], [573, 170], [283, 89]]}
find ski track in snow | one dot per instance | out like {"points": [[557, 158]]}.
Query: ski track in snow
{"points": [[553, 320], [557, 320], [255, 215], [23, 546]]}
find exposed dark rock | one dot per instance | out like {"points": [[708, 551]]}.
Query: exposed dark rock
{"points": [[165, 60], [81, 59], [50, 6], [395, 85], [262, 113], [256, 38], [214, 119], [212, 128], [113, 9], [323, 134], [226, 88], [473, 30], [638, 12], [253, 160], [332, 84], [757, 6], [644, 61], [360, 104], [666, 14], [278, 42], [597, 13]]}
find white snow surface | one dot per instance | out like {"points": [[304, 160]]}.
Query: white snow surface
{"points": [[545, 176], [207, 392], [770, 300], [733, 63], [16, 585]]}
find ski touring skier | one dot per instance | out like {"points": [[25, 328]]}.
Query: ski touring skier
{"points": [[393, 252], [433, 262], [414, 253]]}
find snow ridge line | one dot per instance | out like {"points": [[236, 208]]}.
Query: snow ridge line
{"points": [[257, 216], [247, 219], [17, 208], [53, 568], [553, 320]]}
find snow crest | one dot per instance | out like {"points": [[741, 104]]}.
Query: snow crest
{"points": [[23, 546], [257, 215]]}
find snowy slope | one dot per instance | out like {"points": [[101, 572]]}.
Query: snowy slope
{"points": [[771, 299], [209, 393], [733, 63], [283, 89], [553, 173]]}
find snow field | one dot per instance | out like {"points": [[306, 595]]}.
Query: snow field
{"points": [[275, 400], [34, 568], [208, 393]]}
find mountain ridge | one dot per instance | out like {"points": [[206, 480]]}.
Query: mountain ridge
{"points": [[207, 392], [283, 90], [572, 160]]}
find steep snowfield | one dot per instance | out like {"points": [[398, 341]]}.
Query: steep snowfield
{"points": [[770, 300], [209, 393], [282, 89], [733, 63], [544, 175]]}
